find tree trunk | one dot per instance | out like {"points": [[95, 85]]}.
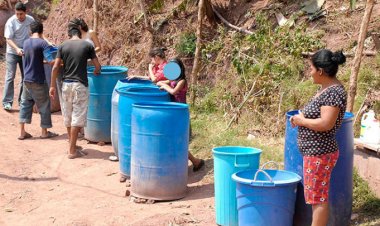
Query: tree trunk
{"points": [[358, 55], [96, 16], [196, 67]]}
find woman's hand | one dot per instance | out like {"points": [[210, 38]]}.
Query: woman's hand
{"points": [[297, 120]]}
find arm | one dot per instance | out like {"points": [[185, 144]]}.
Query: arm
{"points": [[175, 90], [96, 41], [54, 74], [160, 83], [96, 63], [326, 122], [13, 44], [151, 74]]}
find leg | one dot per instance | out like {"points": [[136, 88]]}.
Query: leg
{"points": [[67, 106], [73, 139], [197, 163], [40, 95], [11, 61], [69, 132], [320, 214], [26, 110]]}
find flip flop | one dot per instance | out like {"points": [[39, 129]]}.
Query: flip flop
{"points": [[199, 166], [77, 154], [26, 136], [49, 135], [113, 158]]}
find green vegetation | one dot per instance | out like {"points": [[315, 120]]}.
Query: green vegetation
{"points": [[156, 6], [186, 44]]}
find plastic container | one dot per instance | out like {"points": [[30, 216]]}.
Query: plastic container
{"points": [[227, 161], [367, 119], [127, 97], [101, 86], [160, 144], [266, 197], [372, 132], [340, 196], [114, 111]]}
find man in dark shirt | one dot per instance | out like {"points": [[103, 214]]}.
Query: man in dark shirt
{"points": [[74, 54], [35, 90]]}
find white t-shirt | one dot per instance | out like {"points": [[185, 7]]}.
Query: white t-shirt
{"points": [[17, 31]]}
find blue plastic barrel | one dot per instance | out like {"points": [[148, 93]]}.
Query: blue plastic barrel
{"points": [[127, 97], [114, 111], [340, 195], [160, 144], [266, 197], [100, 86], [227, 161]]}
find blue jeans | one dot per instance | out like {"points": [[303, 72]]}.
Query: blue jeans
{"points": [[38, 94], [12, 60]]}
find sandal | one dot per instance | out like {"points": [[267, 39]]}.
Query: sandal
{"points": [[49, 135], [113, 158], [26, 136], [199, 166], [77, 154]]}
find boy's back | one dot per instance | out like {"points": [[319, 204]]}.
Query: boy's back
{"points": [[33, 60], [75, 54]]}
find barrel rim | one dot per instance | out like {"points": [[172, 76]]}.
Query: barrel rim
{"points": [[160, 105], [348, 116], [262, 183], [131, 91], [121, 69], [256, 150]]}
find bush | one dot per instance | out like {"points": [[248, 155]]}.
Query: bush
{"points": [[186, 44]]}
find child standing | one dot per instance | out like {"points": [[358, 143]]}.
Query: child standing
{"points": [[178, 90]]}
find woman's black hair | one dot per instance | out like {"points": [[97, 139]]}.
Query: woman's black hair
{"points": [[160, 52], [182, 76], [328, 61], [80, 23]]}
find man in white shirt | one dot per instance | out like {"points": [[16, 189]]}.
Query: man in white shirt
{"points": [[17, 30]]}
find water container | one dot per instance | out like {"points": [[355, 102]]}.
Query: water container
{"points": [[372, 132], [340, 196], [50, 53], [227, 161], [100, 86], [266, 197], [367, 118], [160, 144], [127, 97], [114, 111]]}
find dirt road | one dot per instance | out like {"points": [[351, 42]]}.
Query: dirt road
{"points": [[40, 186]]}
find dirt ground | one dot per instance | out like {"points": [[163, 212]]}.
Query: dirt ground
{"points": [[40, 186]]}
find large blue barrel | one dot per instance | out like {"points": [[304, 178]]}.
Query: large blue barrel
{"points": [[98, 127], [227, 161], [114, 111], [127, 97], [266, 197], [160, 143], [340, 196]]}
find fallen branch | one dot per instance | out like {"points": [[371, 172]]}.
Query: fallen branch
{"points": [[231, 25], [366, 53], [242, 104]]}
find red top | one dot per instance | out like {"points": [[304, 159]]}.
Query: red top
{"points": [[180, 97], [158, 71]]}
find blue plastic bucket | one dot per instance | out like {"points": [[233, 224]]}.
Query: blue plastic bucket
{"points": [[50, 53], [160, 144], [266, 197], [127, 97], [115, 101], [100, 87], [341, 188], [227, 161]]}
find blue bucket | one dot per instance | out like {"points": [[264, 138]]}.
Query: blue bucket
{"points": [[50, 53], [227, 161], [266, 197]]}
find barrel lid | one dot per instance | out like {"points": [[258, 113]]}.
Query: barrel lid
{"points": [[266, 177], [109, 70], [236, 150], [141, 90], [160, 105]]}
